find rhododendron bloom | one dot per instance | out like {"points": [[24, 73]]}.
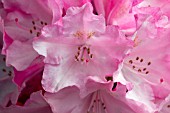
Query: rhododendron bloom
{"points": [[80, 48], [146, 61], [147, 67], [27, 18], [118, 12], [99, 100]]}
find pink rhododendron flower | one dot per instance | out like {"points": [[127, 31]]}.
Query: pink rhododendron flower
{"points": [[35, 104], [118, 12], [78, 51], [99, 100], [147, 68], [154, 18], [27, 18], [85, 56], [8, 90], [145, 59]]}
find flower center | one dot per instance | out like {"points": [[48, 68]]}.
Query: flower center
{"points": [[83, 54], [139, 65], [36, 26], [97, 104]]}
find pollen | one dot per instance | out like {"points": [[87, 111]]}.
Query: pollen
{"points": [[89, 35], [78, 34]]}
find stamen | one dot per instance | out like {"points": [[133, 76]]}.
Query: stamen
{"points": [[91, 55], [97, 104], [130, 61], [83, 54], [139, 65], [33, 22], [139, 70], [149, 63], [38, 34], [141, 60], [34, 28], [144, 69], [89, 35], [42, 23], [30, 31], [147, 72], [137, 58]]}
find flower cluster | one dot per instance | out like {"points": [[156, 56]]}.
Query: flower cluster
{"points": [[85, 56]]}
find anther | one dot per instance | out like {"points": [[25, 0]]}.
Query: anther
{"points": [[4, 59], [149, 63], [137, 58], [33, 22], [147, 72], [4, 70], [34, 28], [88, 50], [130, 61], [84, 48], [31, 31], [139, 70], [144, 69], [82, 59], [91, 55], [141, 60], [42, 22], [133, 67], [45, 23], [38, 34], [168, 106]]}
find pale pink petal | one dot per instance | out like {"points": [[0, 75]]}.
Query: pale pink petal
{"points": [[20, 55], [88, 22], [71, 3]]}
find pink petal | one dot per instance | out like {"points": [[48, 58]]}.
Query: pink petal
{"points": [[20, 55], [36, 103]]}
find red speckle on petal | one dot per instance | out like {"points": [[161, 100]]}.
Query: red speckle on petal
{"points": [[161, 80], [87, 60]]}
